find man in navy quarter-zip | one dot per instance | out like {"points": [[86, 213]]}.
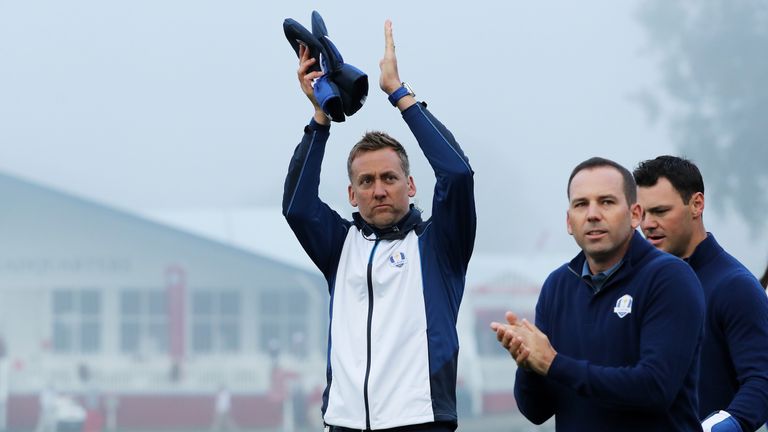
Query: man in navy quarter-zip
{"points": [[618, 330], [395, 280], [733, 383]]}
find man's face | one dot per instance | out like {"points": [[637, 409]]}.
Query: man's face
{"points": [[668, 223], [379, 187], [599, 217]]}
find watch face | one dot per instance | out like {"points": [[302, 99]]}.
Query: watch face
{"points": [[410, 90]]}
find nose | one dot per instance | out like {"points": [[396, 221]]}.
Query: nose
{"points": [[593, 212], [379, 191], [648, 222]]}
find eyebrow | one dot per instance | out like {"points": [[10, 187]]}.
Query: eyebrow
{"points": [[601, 197], [659, 207], [611, 196], [383, 173]]}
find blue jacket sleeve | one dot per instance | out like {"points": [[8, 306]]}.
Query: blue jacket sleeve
{"points": [[743, 309], [319, 229], [453, 204], [533, 397], [533, 392], [671, 332]]}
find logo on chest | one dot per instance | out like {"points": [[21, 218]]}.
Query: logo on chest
{"points": [[397, 259], [623, 306]]}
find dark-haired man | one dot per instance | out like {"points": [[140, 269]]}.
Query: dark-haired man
{"points": [[395, 281], [618, 329], [734, 354]]}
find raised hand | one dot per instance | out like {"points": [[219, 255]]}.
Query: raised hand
{"points": [[306, 79], [389, 80]]}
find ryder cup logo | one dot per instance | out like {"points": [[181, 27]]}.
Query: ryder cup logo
{"points": [[623, 306], [397, 259]]}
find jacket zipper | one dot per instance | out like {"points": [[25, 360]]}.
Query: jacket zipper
{"points": [[370, 322]]}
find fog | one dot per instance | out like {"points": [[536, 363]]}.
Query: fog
{"points": [[187, 112]]}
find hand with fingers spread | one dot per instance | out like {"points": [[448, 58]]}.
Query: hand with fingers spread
{"points": [[306, 80]]}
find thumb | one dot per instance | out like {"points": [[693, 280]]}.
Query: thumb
{"points": [[511, 317]]}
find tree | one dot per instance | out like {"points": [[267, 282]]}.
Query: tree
{"points": [[714, 63]]}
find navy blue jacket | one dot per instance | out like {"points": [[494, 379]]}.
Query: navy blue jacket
{"points": [[627, 357], [395, 293], [734, 354]]}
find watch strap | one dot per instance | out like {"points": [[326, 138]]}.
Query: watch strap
{"points": [[398, 94]]}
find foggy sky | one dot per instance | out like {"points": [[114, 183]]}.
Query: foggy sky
{"points": [[195, 104]]}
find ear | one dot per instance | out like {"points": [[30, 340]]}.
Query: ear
{"points": [[411, 187], [568, 222], [636, 215], [696, 205], [352, 199]]}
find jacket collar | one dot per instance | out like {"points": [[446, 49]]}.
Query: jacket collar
{"points": [[637, 251], [704, 252], [395, 232]]}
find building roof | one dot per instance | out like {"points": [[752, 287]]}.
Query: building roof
{"points": [[37, 210]]}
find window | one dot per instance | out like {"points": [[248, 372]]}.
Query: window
{"points": [[215, 321], [282, 322], [76, 321], [143, 321]]}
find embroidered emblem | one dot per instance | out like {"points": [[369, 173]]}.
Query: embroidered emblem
{"points": [[623, 306], [397, 259]]}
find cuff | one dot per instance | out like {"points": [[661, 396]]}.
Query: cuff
{"points": [[315, 126]]}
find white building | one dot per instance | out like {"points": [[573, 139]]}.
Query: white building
{"points": [[144, 321]]}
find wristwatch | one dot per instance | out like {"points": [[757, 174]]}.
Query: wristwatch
{"points": [[400, 93]]}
